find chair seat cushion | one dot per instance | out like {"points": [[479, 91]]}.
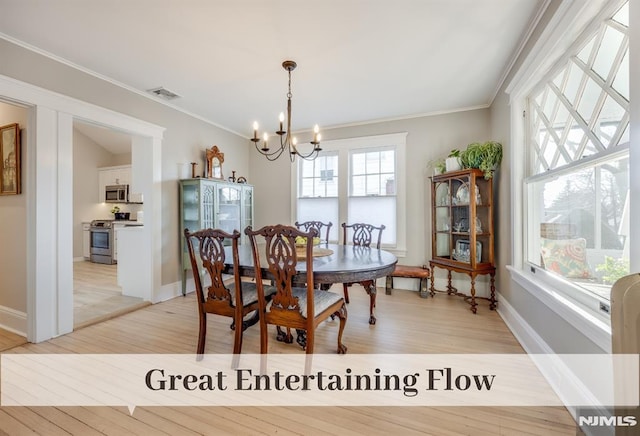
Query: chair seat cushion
{"points": [[249, 292], [322, 300]]}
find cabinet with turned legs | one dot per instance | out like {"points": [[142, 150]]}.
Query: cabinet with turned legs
{"points": [[462, 231]]}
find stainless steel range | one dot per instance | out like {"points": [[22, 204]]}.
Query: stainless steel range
{"points": [[101, 244]]}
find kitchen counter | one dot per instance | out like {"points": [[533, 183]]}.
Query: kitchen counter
{"points": [[127, 223]]}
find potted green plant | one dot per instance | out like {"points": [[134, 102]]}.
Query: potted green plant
{"points": [[453, 160], [485, 156], [438, 165]]}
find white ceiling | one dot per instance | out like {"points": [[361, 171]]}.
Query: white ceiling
{"points": [[358, 60]]}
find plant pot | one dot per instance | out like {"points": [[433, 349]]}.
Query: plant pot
{"points": [[453, 164], [122, 215]]}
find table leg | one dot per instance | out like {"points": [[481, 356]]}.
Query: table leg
{"points": [[370, 287], [283, 336], [449, 287], [473, 294]]}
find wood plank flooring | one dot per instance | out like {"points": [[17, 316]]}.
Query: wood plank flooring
{"points": [[97, 296], [406, 324], [9, 340]]}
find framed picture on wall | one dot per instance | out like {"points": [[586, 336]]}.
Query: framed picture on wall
{"points": [[10, 159]]}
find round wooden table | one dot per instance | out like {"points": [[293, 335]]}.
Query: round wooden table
{"points": [[346, 264]]}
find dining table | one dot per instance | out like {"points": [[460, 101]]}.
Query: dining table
{"points": [[332, 263]]}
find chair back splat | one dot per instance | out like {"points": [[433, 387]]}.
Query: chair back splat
{"points": [[293, 306], [318, 225], [362, 234], [235, 300]]}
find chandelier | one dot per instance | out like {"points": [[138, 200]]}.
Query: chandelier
{"points": [[287, 141]]}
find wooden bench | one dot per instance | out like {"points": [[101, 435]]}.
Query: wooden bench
{"points": [[411, 272]]}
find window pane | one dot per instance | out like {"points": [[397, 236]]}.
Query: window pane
{"points": [[358, 186], [621, 82], [375, 211], [373, 162], [320, 209], [373, 185], [319, 177], [387, 161], [580, 225], [306, 188], [607, 52], [358, 163]]}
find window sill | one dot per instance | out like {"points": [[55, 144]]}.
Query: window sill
{"points": [[581, 318]]}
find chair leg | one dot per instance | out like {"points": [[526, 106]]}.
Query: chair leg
{"points": [[237, 341], [264, 335], [202, 335], [342, 314], [310, 339], [346, 292]]}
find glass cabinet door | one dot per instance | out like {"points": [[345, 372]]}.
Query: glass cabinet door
{"points": [[228, 214], [247, 209], [190, 207]]}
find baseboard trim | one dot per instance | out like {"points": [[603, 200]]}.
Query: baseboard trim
{"points": [[533, 343], [13, 321], [172, 290]]}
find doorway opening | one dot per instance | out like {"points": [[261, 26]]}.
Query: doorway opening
{"points": [[99, 154]]}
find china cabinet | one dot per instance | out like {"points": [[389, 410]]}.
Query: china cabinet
{"points": [[208, 203], [462, 230]]}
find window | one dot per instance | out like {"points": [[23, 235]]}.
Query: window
{"points": [[372, 175], [577, 184], [318, 191], [356, 180]]}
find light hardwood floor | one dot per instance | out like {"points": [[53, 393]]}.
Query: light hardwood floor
{"points": [[9, 340], [406, 324], [97, 296]]}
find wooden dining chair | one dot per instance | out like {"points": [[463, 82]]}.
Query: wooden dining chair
{"points": [[318, 225], [302, 308], [362, 235], [235, 300]]}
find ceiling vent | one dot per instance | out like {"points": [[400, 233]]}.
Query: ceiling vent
{"points": [[163, 93]]}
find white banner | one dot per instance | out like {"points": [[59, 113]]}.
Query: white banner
{"points": [[318, 380]]}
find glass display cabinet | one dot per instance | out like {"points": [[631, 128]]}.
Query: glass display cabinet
{"points": [[462, 229], [209, 203]]}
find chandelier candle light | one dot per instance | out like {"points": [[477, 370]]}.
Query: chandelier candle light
{"points": [[287, 141]]}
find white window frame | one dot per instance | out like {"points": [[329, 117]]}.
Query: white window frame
{"points": [[344, 147], [571, 25]]}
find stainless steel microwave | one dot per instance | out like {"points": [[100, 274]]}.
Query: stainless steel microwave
{"points": [[116, 194]]}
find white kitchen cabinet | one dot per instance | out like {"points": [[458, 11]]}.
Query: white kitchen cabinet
{"points": [[86, 240], [107, 176], [117, 225]]}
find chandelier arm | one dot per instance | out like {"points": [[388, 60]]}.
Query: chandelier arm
{"points": [[270, 155]]}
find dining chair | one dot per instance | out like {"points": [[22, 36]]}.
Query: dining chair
{"points": [[318, 225], [301, 307], [362, 235], [236, 299]]}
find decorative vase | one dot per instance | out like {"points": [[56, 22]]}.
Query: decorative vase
{"points": [[453, 164]]}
